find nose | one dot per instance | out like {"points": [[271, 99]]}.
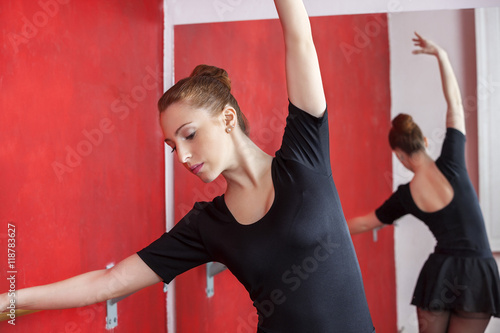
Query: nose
{"points": [[182, 153]]}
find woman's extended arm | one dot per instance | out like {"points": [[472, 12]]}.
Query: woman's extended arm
{"points": [[455, 112], [128, 276], [303, 76], [363, 223]]}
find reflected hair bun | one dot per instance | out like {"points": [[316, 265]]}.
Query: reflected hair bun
{"points": [[406, 135]]}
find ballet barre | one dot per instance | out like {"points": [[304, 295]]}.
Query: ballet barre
{"points": [[213, 268], [16, 313]]}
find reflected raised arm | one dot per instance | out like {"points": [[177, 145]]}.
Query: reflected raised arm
{"points": [[455, 111], [303, 76]]}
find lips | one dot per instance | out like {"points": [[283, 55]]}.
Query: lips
{"points": [[196, 168]]}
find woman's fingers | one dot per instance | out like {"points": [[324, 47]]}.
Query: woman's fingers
{"points": [[424, 45]]}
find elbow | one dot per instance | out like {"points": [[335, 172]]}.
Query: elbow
{"points": [[356, 227], [300, 44], [455, 104], [104, 285]]}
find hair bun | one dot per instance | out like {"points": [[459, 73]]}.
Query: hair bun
{"points": [[213, 72], [403, 123], [406, 135]]}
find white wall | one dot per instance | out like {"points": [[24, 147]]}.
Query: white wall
{"points": [[488, 101], [198, 11], [416, 90]]}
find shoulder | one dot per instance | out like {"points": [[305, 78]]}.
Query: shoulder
{"points": [[402, 192], [395, 206], [454, 133], [204, 211], [453, 139], [295, 113], [453, 150], [215, 208], [306, 140], [401, 196]]}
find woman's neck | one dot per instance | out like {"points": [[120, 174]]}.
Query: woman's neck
{"points": [[419, 162], [249, 165]]}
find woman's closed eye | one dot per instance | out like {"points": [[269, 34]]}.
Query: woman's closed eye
{"points": [[190, 136]]}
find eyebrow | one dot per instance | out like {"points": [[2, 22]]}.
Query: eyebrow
{"points": [[177, 131]]}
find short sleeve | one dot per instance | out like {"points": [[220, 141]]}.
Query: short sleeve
{"points": [[178, 250], [306, 140], [392, 209], [453, 150]]}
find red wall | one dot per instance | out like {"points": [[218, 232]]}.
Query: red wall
{"points": [[81, 150], [354, 55]]}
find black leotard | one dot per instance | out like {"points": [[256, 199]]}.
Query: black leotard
{"points": [[297, 262]]}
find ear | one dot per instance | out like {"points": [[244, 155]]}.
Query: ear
{"points": [[426, 142], [229, 116], [399, 155]]}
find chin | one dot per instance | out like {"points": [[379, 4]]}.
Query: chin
{"points": [[206, 181], [206, 178]]}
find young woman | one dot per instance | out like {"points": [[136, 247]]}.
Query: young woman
{"points": [[279, 226], [458, 289]]}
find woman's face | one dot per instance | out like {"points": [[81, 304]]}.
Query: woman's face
{"points": [[197, 137]]}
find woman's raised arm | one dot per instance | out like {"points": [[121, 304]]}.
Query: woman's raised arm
{"points": [[303, 76], [455, 112], [128, 276]]}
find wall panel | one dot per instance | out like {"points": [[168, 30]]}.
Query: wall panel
{"points": [[82, 172]]}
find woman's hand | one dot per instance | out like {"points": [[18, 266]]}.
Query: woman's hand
{"points": [[455, 111], [425, 46]]}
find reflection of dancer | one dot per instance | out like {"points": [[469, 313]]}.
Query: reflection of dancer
{"points": [[279, 226], [458, 289]]}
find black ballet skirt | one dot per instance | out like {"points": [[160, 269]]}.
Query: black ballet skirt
{"points": [[461, 274], [465, 281]]}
